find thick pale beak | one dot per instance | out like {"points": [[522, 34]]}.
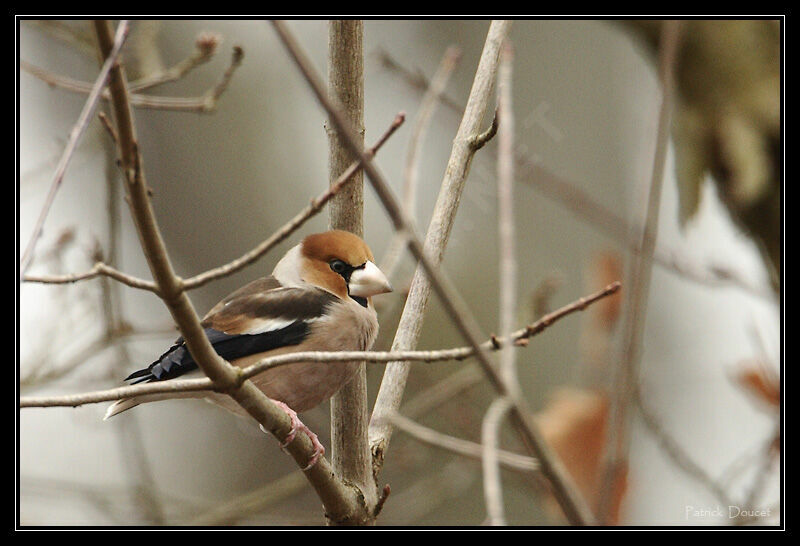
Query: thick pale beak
{"points": [[368, 280]]}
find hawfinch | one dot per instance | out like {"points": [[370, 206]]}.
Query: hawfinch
{"points": [[318, 298]]}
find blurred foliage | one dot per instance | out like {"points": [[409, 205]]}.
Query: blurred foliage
{"points": [[575, 425], [727, 122]]}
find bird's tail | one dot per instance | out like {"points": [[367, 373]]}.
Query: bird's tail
{"points": [[119, 406], [127, 403]]}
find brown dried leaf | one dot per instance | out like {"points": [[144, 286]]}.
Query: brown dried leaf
{"points": [[761, 382], [574, 424]]}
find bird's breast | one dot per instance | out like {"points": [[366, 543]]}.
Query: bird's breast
{"points": [[304, 385]]}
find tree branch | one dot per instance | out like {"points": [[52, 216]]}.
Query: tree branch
{"points": [[626, 374], [75, 135], [203, 104], [205, 46], [490, 461], [409, 329], [430, 100], [490, 429], [350, 454], [564, 491], [589, 211], [340, 501], [507, 261], [317, 204], [506, 459], [99, 269], [518, 338]]}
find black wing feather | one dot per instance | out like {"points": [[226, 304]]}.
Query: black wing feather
{"points": [[178, 361]]}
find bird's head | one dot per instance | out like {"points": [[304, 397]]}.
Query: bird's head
{"points": [[336, 261]]}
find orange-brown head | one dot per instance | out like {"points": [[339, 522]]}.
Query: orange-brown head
{"points": [[341, 263]]}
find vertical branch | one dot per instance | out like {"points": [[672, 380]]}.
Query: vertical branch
{"points": [[505, 214], [492, 489], [350, 455], [340, 501], [640, 275], [564, 491], [129, 432], [346, 88], [492, 486], [409, 329]]}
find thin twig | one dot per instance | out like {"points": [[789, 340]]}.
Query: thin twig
{"points": [[430, 100], [203, 104], [518, 338], [110, 395], [212, 96], [99, 269], [72, 144], [108, 125], [492, 485], [506, 459], [564, 490], [677, 454], [490, 429], [316, 205], [339, 500], [588, 210], [205, 46]]}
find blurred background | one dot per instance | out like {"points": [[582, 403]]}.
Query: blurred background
{"points": [[704, 427]]}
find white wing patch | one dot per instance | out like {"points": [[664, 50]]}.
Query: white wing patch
{"points": [[272, 324]]}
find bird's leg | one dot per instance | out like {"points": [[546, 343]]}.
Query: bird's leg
{"points": [[297, 424]]}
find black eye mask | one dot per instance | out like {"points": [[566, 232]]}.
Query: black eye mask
{"points": [[346, 270]]}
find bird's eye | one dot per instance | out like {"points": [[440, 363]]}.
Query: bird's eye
{"points": [[338, 266]]}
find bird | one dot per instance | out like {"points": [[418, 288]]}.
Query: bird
{"points": [[318, 298]]}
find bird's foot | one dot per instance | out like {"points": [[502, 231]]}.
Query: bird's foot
{"points": [[297, 424]]}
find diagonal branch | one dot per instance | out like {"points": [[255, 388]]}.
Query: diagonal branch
{"points": [[317, 204], [74, 139], [339, 500], [428, 104], [587, 210], [506, 459], [564, 491], [409, 329]]}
